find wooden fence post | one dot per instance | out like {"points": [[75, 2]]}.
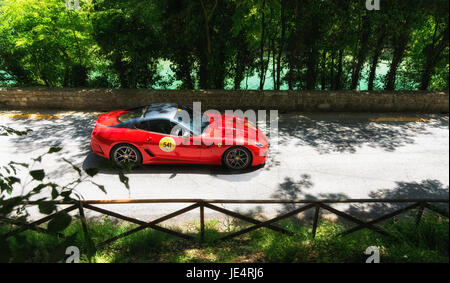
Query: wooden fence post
{"points": [[202, 222]]}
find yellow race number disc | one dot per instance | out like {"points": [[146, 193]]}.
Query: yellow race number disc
{"points": [[167, 144]]}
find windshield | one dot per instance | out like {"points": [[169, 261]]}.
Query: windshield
{"points": [[133, 114], [204, 122]]}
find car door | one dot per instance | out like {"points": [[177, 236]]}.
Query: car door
{"points": [[213, 146], [164, 145]]}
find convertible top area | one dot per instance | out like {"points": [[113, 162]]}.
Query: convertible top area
{"points": [[155, 111], [161, 111], [151, 111]]}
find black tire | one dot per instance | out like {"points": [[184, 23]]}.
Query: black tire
{"points": [[133, 156], [237, 158]]}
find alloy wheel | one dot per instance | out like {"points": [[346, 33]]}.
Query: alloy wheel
{"points": [[237, 158], [126, 154]]}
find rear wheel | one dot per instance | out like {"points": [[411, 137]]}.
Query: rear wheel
{"points": [[124, 155], [237, 158]]}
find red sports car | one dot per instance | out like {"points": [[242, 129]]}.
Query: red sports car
{"points": [[158, 133]]}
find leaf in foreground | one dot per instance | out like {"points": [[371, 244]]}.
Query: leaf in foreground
{"points": [[60, 222], [101, 187], [92, 171], [47, 207], [54, 149], [38, 174], [124, 180]]}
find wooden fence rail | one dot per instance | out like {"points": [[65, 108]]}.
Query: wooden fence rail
{"points": [[317, 205]]}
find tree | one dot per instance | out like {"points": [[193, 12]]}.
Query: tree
{"points": [[44, 43], [212, 44], [436, 45], [381, 32], [128, 35], [404, 17]]}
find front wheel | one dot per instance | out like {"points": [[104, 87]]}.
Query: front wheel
{"points": [[124, 155], [237, 158]]}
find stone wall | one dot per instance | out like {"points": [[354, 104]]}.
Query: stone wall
{"points": [[283, 101]]}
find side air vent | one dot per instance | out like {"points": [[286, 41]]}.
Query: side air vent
{"points": [[149, 153]]}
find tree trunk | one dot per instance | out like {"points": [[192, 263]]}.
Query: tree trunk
{"points": [[375, 57], [261, 55], [219, 69], [399, 51], [239, 74], [207, 82], [281, 45], [311, 69], [273, 65], [291, 63], [203, 72], [432, 53], [399, 42], [338, 83], [120, 68], [185, 73], [392, 73], [323, 80], [361, 54], [266, 66], [240, 64], [332, 85], [426, 76], [291, 74]]}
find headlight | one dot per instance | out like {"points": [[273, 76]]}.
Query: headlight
{"points": [[258, 144]]}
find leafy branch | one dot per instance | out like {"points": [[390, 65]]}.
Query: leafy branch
{"points": [[22, 184]]}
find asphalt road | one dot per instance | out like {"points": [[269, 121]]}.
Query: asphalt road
{"points": [[318, 156]]}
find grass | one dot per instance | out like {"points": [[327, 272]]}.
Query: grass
{"points": [[427, 242]]}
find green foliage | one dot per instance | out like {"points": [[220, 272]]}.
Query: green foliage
{"points": [[60, 222], [46, 207], [124, 179], [427, 242], [42, 43], [128, 36], [18, 189], [222, 44], [37, 174]]}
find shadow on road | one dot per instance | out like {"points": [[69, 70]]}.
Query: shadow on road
{"points": [[347, 132], [426, 189], [71, 131], [94, 161], [324, 132]]}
